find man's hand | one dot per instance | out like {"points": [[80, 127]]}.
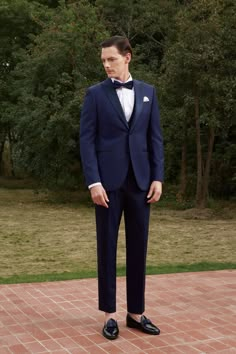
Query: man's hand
{"points": [[99, 196], [155, 191]]}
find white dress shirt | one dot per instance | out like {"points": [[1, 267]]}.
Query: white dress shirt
{"points": [[126, 98]]}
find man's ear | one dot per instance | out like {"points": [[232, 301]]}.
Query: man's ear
{"points": [[128, 57]]}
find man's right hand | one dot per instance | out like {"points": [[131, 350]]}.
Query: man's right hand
{"points": [[99, 196]]}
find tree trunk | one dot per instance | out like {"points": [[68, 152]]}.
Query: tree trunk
{"points": [[183, 173], [206, 175], [6, 158], [10, 138], [199, 153], [1, 153]]}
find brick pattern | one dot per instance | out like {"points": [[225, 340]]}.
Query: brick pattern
{"points": [[195, 311]]}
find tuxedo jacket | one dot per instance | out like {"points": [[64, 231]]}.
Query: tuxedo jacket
{"points": [[108, 144]]}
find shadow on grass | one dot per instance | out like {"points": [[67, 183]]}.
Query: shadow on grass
{"points": [[151, 270]]}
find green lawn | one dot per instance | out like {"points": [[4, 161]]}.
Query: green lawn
{"points": [[43, 239]]}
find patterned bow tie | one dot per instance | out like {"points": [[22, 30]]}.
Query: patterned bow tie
{"points": [[129, 85]]}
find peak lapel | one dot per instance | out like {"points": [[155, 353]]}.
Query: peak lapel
{"points": [[138, 89], [112, 96]]}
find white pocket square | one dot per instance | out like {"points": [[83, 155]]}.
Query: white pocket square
{"points": [[145, 99]]}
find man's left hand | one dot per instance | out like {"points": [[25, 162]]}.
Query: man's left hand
{"points": [[155, 191]]}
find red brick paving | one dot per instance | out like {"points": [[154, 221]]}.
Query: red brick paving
{"points": [[195, 311]]}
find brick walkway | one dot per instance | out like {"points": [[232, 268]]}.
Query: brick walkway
{"points": [[195, 311]]}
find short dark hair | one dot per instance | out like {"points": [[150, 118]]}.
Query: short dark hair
{"points": [[121, 43]]}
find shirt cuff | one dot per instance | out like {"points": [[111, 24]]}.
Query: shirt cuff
{"points": [[94, 184]]}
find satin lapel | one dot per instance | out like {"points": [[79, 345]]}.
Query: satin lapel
{"points": [[138, 89], [112, 95]]}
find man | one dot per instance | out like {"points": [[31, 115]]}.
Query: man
{"points": [[122, 154]]}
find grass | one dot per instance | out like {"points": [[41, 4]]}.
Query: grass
{"points": [[161, 269], [45, 238]]}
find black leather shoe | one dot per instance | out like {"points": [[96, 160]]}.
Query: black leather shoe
{"points": [[110, 329], [145, 325]]}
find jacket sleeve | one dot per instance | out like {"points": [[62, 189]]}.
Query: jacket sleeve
{"points": [[88, 128], [156, 142]]}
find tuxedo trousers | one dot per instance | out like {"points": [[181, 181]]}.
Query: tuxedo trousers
{"points": [[132, 202]]}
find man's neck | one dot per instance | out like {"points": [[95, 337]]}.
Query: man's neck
{"points": [[123, 78]]}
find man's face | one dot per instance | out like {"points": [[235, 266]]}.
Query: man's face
{"points": [[115, 64]]}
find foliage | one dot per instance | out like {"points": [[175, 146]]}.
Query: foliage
{"points": [[20, 21], [198, 64], [50, 55], [47, 87]]}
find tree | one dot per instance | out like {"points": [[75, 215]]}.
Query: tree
{"points": [[17, 27], [147, 25], [185, 48], [48, 86], [197, 75]]}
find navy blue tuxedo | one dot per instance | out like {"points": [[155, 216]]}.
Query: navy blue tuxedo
{"points": [[125, 158], [107, 143]]}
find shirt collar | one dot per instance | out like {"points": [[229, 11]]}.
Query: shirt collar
{"points": [[129, 79]]}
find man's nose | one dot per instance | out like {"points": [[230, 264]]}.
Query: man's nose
{"points": [[106, 64]]}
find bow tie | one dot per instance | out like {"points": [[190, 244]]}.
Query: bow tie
{"points": [[129, 85]]}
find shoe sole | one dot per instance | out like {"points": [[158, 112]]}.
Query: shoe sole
{"points": [[143, 330], [108, 337]]}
